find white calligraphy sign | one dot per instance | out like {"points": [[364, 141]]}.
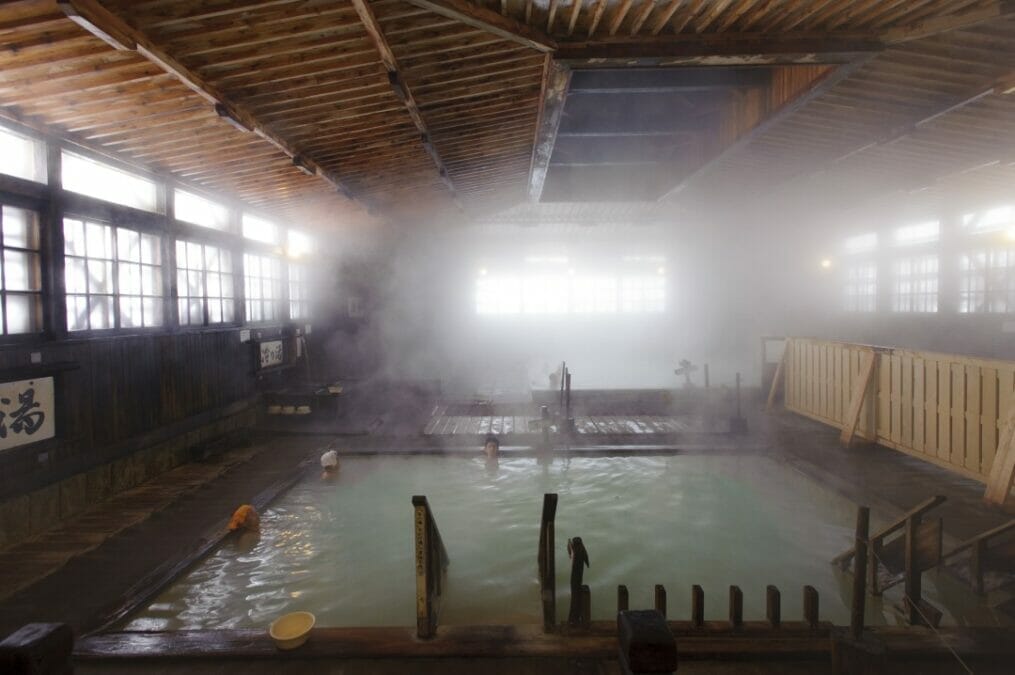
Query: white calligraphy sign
{"points": [[27, 412], [272, 353]]}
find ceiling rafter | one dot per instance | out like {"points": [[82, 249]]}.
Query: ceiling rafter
{"points": [[101, 22], [401, 88]]}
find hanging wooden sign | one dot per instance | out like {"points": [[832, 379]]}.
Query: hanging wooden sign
{"points": [[27, 412]]}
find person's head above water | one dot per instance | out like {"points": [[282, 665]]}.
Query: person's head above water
{"points": [[491, 446], [245, 519], [329, 462]]}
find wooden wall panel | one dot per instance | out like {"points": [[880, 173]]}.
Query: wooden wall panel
{"points": [[946, 409]]}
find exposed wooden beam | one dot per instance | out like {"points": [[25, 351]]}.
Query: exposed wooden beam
{"points": [[999, 9], [400, 87], [718, 49], [99, 20], [816, 89], [576, 8], [490, 21], [556, 78]]}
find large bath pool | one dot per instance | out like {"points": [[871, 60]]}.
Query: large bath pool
{"points": [[344, 549]]}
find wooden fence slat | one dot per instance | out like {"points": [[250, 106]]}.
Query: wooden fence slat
{"points": [[972, 412], [919, 405], [944, 411], [930, 408], [884, 416], [907, 400], [858, 396], [896, 399], [989, 414], [958, 414]]}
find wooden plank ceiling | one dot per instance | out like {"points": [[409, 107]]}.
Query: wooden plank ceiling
{"points": [[425, 103]]}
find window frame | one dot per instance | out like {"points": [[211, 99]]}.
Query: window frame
{"points": [[223, 243], [45, 283]]}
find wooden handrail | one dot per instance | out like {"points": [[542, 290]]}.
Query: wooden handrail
{"points": [[431, 566], [547, 563], [875, 540]]}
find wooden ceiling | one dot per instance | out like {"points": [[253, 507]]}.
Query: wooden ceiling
{"points": [[413, 104]]}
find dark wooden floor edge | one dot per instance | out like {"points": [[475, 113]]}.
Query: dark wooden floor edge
{"points": [[155, 581]]}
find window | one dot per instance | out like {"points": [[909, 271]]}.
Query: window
{"points": [[991, 220], [862, 243], [21, 156], [643, 294], [915, 284], [593, 295], [20, 267], [299, 305], [987, 282], [920, 233], [298, 244], [113, 277], [498, 295], [259, 229], [263, 285], [110, 184], [200, 211], [204, 284], [544, 294], [861, 290]]}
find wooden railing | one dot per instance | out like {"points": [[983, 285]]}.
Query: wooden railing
{"points": [[431, 567], [547, 563], [954, 411]]}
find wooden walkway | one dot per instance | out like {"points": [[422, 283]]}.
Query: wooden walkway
{"points": [[454, 425]]}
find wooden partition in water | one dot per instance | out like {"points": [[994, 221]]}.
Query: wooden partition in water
{"points": [[954, 411], [431, 567]]}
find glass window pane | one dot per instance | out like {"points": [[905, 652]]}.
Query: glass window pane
{"points": [[194, 258], [100, 312], [76, 275], [23, 313], [18, 156], [130, 312], [128, 245], [151, 280], [100, 276], [259, 229], [196, 309], [214, 311], [108, 183], [151, 252], [181, 254], [130, 279], [227, 311], [77, 312], [73, 237], [21, 228], [191, 208], [99, 241], [152, 308]]}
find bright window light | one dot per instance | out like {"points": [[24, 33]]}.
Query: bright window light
{"points": [[107, 183], [501, 295], [861, 289], [191, 208], [20, 271], [19, 157], [987, 282], [643, 294], [861, 243], [916, 284], [259, 229], [567, 293], [920, 233], [546, 259], [262, 277], [298, 244], [991, 220], [204, 280]]}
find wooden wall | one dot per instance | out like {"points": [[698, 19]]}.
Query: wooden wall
{"points": [[943, 408], [119, 394]]}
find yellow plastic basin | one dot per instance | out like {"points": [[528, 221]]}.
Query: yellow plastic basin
{"points": [[289, 631]]}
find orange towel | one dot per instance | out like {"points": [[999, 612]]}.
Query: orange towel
{"points": [[245, 518]]}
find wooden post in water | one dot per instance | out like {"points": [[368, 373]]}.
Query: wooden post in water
{"points": [[773, 606], [661, 599], [697, 606], [811, 606], [431, 563], [859, 572], [622, 599], [736, 607], [547, 563], [586, 600], [914, 575]]}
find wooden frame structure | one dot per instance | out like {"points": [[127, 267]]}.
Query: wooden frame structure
{"points": [[431, 564], [953, 411]]}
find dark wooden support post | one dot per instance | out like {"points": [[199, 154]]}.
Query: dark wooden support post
{"points": [[547, 563], [661, 599], [646, 642], [976, 556], [773, 606], [913, 574], [556, 80], [697, 606], [586, 600], [859, 572], [622, 598], [736, 607], [873, 553], [738, 424], [811, 606]]}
